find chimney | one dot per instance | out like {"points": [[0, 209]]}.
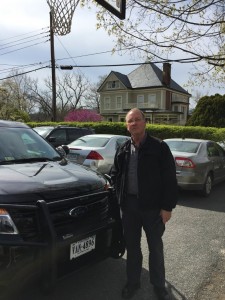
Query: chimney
{"points": [[166, 74]]}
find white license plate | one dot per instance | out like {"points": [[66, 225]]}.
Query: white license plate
{"points": [[81, 247], [73, 157]]}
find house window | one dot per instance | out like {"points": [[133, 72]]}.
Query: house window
{"points": [[175, 108], [107, 103], [119, 102], [113, 84], [152, 100], [110, 119], [183, 110], [122, 119], [140, 101]]}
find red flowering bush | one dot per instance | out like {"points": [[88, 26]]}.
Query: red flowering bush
{"points": [[83, 115]]}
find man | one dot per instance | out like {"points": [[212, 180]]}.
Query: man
{"points": [[144, 178]]}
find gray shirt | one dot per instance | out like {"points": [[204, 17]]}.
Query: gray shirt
{"points": [[132, 183], [132, 180]]}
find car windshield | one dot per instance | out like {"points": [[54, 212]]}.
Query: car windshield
{"points": [[20, 144], [43, 131], [90, 141], [183, 146]]}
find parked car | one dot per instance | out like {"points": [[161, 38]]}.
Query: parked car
{"points": [[55, 216], [62, 135], [199, 163], [96, 151]]}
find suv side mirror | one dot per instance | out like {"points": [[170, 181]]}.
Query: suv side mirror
{"points": [[63, 150]]}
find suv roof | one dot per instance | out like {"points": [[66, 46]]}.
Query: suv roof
{"points": [[62, 135], [4, 123]]}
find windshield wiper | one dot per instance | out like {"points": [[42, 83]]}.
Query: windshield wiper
{"points": [[31, 159]]}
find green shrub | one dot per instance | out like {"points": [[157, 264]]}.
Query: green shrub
{"points": [[160, 131]]}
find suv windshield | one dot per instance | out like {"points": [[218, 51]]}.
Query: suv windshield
{"points": [[19, 144]]}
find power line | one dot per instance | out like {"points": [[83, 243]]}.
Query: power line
{"points": [[23, 34], [70, 67], [186, 60], [31, 36], [24, 47], [95, 66], [88, 66], [69, 55], [15, 68], [181, 60], [37, 69], [97, 53], [10, 46]]}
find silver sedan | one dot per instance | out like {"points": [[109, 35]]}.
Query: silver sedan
{"points": [[199, 163], [96, 151]]}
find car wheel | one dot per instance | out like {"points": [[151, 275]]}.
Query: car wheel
{"points": [[207, 186]]}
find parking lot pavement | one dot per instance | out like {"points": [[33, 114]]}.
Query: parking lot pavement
{"points": [[214, 288]]}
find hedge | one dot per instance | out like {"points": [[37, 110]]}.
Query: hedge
{"points": [[160, 131]]}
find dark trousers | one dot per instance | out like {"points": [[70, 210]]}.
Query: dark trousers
{"points": [[134, 220]]}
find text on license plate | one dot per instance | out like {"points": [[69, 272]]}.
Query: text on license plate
{"points": [[81, 247]]}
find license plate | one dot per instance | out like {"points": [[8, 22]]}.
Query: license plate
{"points": [[81, 247], [73, 157]]}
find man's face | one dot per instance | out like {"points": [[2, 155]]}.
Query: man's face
{"points": [[135, 123]]}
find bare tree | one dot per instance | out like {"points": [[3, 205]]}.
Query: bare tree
{"points": [[92, 99], [17, 89], [72, 89], [70, 92], [25, 94], [42, 100], [188, 31]]}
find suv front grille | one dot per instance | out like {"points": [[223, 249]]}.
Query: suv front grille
{"points": [[67, 215]]}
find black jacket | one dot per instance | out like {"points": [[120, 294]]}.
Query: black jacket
{"points": [[157, 184]]}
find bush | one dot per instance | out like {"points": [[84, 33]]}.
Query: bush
{"points": [[83, 115], [160, 131]]}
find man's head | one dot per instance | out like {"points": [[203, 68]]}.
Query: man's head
{"points": [[135, 122]]}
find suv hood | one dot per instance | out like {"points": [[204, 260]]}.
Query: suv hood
{"points": [[46, 180]]}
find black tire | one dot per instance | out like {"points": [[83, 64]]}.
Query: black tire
{"points": [[206, 191]]}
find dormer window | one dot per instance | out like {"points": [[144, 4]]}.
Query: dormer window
{"points": [[113, 84]]}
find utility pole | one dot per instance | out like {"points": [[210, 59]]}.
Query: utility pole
{"points": [[53, 69]]}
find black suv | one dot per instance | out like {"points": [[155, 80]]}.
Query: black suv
{"points": [[55, 216], [62, 135]]}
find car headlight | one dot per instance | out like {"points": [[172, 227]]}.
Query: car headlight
{"points": [[7, 225]]}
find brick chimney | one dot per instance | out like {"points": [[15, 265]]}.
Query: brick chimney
{"points": [[166, 74]]}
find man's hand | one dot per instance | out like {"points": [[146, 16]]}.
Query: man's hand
{"points": [[165, 215]]}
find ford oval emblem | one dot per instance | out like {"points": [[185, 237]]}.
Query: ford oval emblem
{"points": [[78, 211]]}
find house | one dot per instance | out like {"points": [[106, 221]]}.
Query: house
{"points": [[162, 100]]}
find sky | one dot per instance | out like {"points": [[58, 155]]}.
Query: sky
{"points": [[28, 20]]}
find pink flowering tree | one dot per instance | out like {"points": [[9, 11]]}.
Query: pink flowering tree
{"points": [[83, 115]]}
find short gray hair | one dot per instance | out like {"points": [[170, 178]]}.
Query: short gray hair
{"points": [[138, 110]]}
